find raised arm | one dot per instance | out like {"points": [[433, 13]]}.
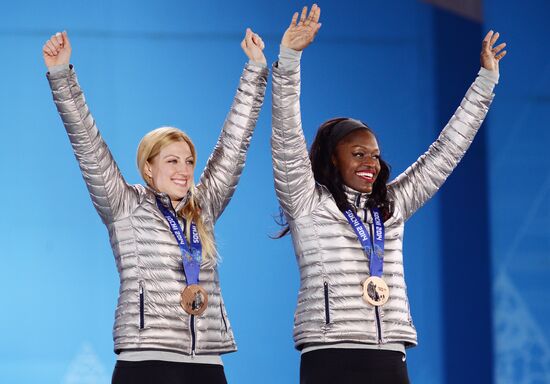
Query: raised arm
{"points": [[294, 181], [224, 167], [422, 180], [110, 194]]}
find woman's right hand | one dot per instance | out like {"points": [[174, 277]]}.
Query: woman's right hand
{"points": [[57, 50], [253, 46], [301, 33]]}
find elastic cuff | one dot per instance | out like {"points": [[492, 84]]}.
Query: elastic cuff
{"points": [[57, 68], [289, 59], [492, 76], [257, 64]]}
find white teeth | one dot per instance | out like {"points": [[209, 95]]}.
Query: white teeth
{"points": [[365, 174]]}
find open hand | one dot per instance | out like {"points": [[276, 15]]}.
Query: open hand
{"points": [[491, 55], [253, 46], [301, 33], [57, 50]]}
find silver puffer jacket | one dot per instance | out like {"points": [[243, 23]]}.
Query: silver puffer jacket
{"points": [[148, 314], [332, 264]]}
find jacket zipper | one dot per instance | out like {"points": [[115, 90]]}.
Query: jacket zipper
{"points": [[378, 325], [141, 307], [327, 311], [376, 309], [193, 336], [182, 223]]}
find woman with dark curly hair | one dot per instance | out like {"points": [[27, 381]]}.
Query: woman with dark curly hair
{"points": [[352, 321], [327, 148]]}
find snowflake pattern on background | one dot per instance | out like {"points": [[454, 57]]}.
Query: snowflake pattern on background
{"points": [[86, 368], [522, 352]]}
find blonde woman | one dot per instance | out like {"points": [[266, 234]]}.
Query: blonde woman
{"points": [[171, 325]]}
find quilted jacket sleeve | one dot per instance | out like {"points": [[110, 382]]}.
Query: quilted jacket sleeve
{"points": [[422, 180], [110, 194], [294, 181], [225, 165]]}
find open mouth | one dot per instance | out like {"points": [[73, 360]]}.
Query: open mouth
{"points": [[368, 176], [180, 182]]}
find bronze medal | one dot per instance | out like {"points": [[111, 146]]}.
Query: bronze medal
{"points": [[194, 299], [375, 291]]}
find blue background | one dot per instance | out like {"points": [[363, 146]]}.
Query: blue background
{"points": [[477, 256]]}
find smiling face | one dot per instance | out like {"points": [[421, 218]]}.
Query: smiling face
{"points": [[357, 158], [171, 171]]}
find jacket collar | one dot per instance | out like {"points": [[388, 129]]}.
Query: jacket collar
{"points": [[355, 198], [165, 199]]}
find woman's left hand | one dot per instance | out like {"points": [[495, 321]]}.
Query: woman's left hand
{"points": [[253, 46], [491, 55], [57, 50]]}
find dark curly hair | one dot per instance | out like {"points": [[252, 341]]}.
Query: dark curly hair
{"points": [[327, 174]]}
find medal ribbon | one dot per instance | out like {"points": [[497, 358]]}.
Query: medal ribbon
{"points": [[191, 256], [369, 245]]}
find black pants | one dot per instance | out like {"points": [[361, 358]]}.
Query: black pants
{"points": [[166, 372], [350, 366]]}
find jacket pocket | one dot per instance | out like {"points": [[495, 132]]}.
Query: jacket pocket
{"points": [[224, 320], [327, 307], [141, 306]]}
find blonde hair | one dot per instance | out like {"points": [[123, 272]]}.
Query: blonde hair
{"points": [[149, 147]]}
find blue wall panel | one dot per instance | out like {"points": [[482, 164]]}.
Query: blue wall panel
{"points": [[520, 195], [144, 64]]}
